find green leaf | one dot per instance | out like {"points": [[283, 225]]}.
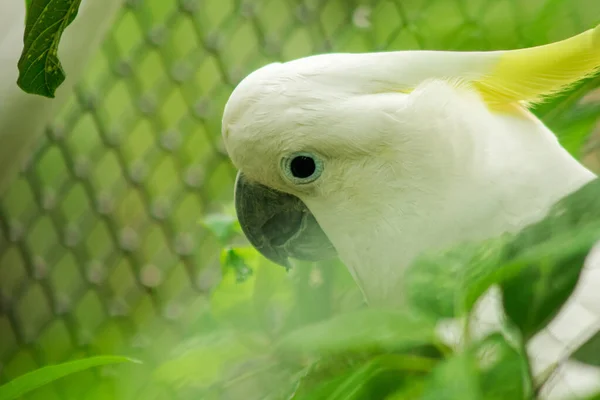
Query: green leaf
{"points": [[258, 304], [572, 121], [589, 352], [45, 375], [223, 226], [368, 329], [349, 384], [492, 369], [503, 370], [576, 126], [447, 284], [231, 259], [40, 70], [201, 361], [355, 385], [360, 378], [454, 379], [551, 254], [412, 391], [318, 289]]}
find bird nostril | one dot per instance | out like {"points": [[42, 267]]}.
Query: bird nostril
{"points": [[282, 226]]}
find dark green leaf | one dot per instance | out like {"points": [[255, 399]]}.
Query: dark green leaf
{"points": [[376, 380], [373, 378], [40, 377], [589, 352], [503, 371], [551, 253], [233, 260], [40, 70], [362, 330], [323, 376], [350, 384], [355, 385]]}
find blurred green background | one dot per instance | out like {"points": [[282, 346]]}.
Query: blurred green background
{"points": [[102, 245]]}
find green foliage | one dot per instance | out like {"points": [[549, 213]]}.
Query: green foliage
{"points": [[368, 329], [23, 384], [556, 247], [369, 353], [230, 258], [460, 275], [570, 118], [456, 378], [255, 305], [491, 370], [538, 266], [216, 350], [224, 226], [256, 317], [40, 70], [378, 377]]}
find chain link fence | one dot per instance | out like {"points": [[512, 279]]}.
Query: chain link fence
{"points": [[100, 245]]}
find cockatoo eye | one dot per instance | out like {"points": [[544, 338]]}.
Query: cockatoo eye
{"points": [[302, 168]]}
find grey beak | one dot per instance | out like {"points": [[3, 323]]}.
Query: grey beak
{"points": [[279, 225]]}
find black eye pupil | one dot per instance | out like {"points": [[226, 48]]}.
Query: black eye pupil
{"points": [[302, 167]]}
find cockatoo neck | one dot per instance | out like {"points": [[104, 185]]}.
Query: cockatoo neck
{"points": [[502, 180]]}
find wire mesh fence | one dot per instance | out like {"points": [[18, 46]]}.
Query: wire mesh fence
{"points": [[100, 245]]}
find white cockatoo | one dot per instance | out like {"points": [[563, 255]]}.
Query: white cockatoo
{"points": [[379, 157], [23, 116]]}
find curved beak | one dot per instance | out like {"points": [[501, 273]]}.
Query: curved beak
{"points": [[279, 225]]}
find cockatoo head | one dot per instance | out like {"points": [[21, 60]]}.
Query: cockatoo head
{"points": [[377, 157]]}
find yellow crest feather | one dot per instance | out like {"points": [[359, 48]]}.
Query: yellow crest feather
{"points": [[529, 75]]}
